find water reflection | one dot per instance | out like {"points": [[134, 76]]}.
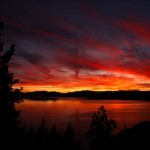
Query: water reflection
{"points": [[79, 112]]}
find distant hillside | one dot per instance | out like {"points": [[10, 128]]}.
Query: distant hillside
{"points": [[127, 95]]}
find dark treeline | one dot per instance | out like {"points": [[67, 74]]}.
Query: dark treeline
{"points": [[125, 95]]}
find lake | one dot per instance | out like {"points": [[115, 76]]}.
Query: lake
{"points": [[79, 112]]}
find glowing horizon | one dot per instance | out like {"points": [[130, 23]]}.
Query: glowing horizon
{"points": [[104, 82]]}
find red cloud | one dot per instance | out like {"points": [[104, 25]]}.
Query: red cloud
{"points": [[141, 29]]}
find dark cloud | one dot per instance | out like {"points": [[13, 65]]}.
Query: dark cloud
{"points": [[146, 85], [36, 60]]}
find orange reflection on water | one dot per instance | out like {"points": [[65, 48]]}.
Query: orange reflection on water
{"points": [[79, 111]]}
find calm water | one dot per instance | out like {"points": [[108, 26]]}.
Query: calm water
{"points": [[79, 112]]}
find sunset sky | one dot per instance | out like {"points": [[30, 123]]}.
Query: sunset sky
{"points": [[70, 45]]}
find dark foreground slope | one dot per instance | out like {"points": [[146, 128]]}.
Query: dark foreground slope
{"points": [[136, 137]]}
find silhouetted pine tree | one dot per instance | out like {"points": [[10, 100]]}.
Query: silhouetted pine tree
{"points": [[7, 93], [9, 117], [100, 132]]}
